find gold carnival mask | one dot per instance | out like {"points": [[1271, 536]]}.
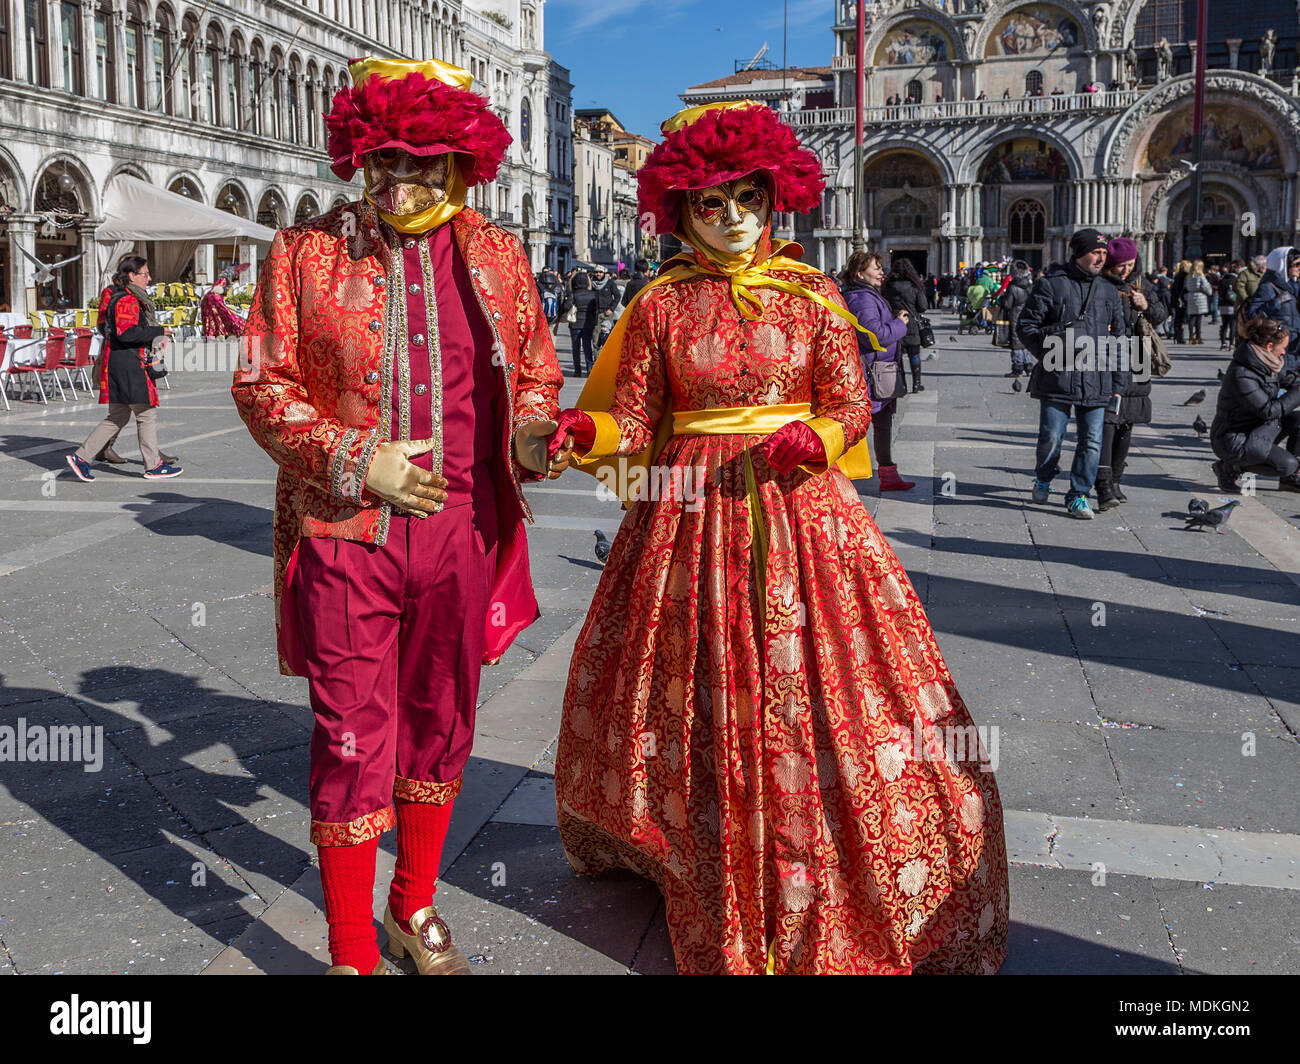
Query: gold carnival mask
{"points": [[729, 217], [403, 184]]}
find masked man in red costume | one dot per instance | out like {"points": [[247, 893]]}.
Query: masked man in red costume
{"points": [[400, 372]]}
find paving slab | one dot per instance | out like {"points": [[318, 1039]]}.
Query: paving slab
{"points": [[1063, 924], [1228, 929], [1205, 780], [1059, 768], [1203, 696]]}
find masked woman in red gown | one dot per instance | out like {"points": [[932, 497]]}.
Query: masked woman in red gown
{"points": [[757, 716]]}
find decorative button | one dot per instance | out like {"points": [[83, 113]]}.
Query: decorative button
{"points": [[372, 377], [417, 339], [374, 232], [420, 389], [475, 270], [374, 326], [414, 289], [408, 243], [496, 315], [379, 282]]}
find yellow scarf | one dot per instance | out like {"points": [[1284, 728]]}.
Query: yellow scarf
{"points": [[751, 269], [625, 472], [431, 217]]}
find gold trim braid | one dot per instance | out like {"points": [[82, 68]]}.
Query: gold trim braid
{"points": [[428, 792], [353, 832]]}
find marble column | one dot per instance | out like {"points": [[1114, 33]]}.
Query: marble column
{"points": [[22, 237]]}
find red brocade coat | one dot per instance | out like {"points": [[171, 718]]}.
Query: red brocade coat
{"points": [[749, 744], [323, 347]]}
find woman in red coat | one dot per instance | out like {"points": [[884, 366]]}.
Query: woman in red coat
{"points": [[126, 382]]}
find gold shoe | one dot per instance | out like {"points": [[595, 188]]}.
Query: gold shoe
{"points": [[346, 969], [430, 947]]}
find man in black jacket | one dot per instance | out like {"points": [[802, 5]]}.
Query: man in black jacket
{"points": [[638, 280], [1067, 324]]}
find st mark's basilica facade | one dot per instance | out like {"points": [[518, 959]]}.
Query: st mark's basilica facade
{"points": [[998, 127]]}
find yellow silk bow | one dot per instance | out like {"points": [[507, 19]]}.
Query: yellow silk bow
{"points": [[597, 396], [747, 270], [431, 217]]}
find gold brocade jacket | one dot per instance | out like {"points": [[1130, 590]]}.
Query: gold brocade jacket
{"points": [[316, 387]]}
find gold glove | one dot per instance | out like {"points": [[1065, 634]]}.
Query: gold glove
{"points": [[396, 480], [531, 445]]}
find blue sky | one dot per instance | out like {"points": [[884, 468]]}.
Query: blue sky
{"points": [[635, 56]]}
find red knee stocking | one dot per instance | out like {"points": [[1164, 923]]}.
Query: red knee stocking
{"points": [[347, 874], [421, 831]]}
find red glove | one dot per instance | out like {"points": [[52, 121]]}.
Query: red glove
{"points": [[576, 423], [793, 444]]}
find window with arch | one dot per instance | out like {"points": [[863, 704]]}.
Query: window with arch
{"points": [[309, 101], [234, 82], [275, 119], [307, 208], [38, 34], [70, 23], [1027, 223], [6, 69], [191, 102], [292, 107], [1033, 83], [183, 186], [914, 91], [105, 67], [211, 70], [162, 62], [907, 214], [270, 211], [231, 200], [253, 90], [134, 56]]}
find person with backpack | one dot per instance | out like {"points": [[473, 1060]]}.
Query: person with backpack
{"points": [[585, 306], [1248, 279], [1228, 305], [904, 290], [1012, 302], [127, 372], [1178, 296], [1196, 299], [1137, 300]]}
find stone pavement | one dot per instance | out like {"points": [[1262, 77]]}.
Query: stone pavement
{"points": [[1148, 764]]}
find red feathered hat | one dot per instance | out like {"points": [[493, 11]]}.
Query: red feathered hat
{"points": [[705, 146], [423, 107]]}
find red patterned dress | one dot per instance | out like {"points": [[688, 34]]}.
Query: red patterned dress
{"points": [[757, 758]]}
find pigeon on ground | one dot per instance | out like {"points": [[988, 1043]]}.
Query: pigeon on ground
{"points": [[1198, 506], [602, 547], [1215, 519], [1220, 374], [1015, 386], [1195, 398], [1200, 426]]}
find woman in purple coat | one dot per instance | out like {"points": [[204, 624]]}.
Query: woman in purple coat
{"points": [[866, 273]]}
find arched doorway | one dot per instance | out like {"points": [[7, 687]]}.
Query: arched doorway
{"points": [[1027, 230], [60, 205], [902, 205], [270, 210], [1019, 178], [1220, 209], [307, 208], [232, 200]]}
